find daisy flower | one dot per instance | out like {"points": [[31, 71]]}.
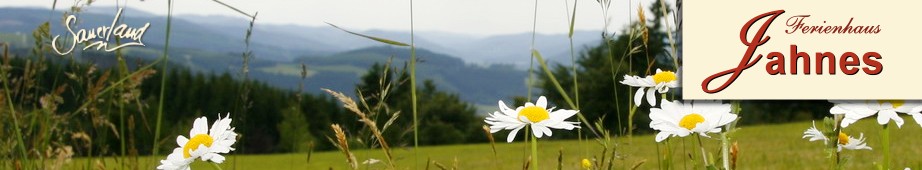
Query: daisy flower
{"points": [[541, 119], [844, 141], [886, 110], [659, 82], [814, 134], [678, 119], [851, 143], [205, 144]]}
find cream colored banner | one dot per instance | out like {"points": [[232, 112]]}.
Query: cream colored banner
{"points": [[886, 32]]}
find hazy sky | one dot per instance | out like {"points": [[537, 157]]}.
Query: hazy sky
{"points": [[475, 17]]}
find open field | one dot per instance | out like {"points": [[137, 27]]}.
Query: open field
{"points": [[761, 147]]}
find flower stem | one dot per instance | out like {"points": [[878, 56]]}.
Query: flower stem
{"points": [[704, 157], [833, 144], [725, 150], [886, 142], [724, 139], [659, 159], [668, 154], [534, 152]]}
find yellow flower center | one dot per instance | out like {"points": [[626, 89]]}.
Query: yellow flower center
{"points": [[895, 103], [195, 142], [663, 77], [691, 120], [534, 113], [586, 164], [843, 138]]}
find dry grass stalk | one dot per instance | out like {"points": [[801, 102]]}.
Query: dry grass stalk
{"points": [[642, 18], [440, 166], [486, 130], [428, 162], [350, 104], [527, 163], [637, 165], [61, 156], [560, 159], [734, 154], [343, 145]]}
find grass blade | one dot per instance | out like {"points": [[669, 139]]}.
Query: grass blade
{"points": [[165, 59], [386, 41], [572, 19], [560, 90]]}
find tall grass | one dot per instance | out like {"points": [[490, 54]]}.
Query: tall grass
{"points": [[43, 132], [164, 71], [352, 106], [99, 88], [246, 56], [413, 96], [12, 109]]}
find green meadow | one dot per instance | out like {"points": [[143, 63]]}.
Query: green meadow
{"points": [[777, 146]]}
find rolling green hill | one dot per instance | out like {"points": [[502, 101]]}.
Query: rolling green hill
{"points": [[482, 85]]}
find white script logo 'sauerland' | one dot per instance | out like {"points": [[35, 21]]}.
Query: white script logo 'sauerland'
{"points": [[101, 35]]}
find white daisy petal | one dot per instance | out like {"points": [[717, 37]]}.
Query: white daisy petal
{"points": [[884, 117], [199, 152], [672, 84], [219, 148], [542, 102], [216, 158], [916, 109], [181, 140], [908, 106], [681, 132], [537, 132], [917, 117], [513, 133], [175, 161], [647, 81], [638, 96], [200, 126], [544, 129], [662, 136], [848, 121], [814, 134], [220, 126], [504, 108], [564, 125], [651, 96], [636, 81], [562, 114]]}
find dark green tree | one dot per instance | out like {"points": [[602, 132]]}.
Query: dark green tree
{"points": [[601, 68], [294, 134], [444, 117]]}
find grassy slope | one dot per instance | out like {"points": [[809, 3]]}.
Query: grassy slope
{"points": [[761, 147]]}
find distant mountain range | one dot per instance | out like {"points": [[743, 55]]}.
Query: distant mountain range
{"points": [[286, 42], [480, 69]]}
